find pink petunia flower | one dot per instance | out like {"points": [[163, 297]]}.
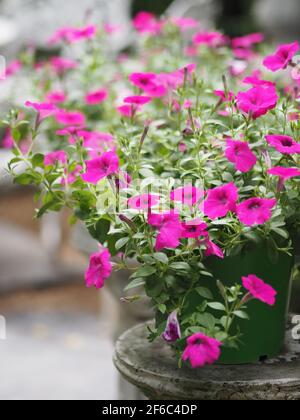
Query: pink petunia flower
{"points": [[239, 153], [71, 118], [99, 168], [225, 97], [282, 57], [213, 250], [255, 211], [185, 23], [257, 101], [284, 144], [188, 195], [127, 110], [210, 39], [194, 229], [143, 202], [170, 229], [172, 332], [44, 109], [145, 22], [201, 350], [60, 65], [72, 176], [248, 41], [220, 201], [149, 83], [96, 142], [8, 141], [52, 158], [99, 270], [56, 97], [71, 35], [284, 173], [259, 289], [137, 100], [96, 97], [11, 69]]}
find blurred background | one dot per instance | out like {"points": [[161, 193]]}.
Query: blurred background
{"points": [[60, 335]]}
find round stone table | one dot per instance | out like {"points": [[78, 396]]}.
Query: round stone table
{"points": [[153, 369]]}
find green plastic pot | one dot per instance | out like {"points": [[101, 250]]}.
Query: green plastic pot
{"points": [[263, 335]]}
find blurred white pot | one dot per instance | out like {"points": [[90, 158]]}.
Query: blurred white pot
{"points": [[278, 18]]}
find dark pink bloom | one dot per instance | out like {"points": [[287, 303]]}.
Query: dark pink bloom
{"points": [[71, 118], [254, 80], [69, 34], [243, 54], [220, 201], [8, 141], [60, 64], [73, 175], [211, 39], [99, 168], [149, 83], [96, 142], [259, 289], [62, 34], [145, 22], [56, 97], [99, 270], [257, 101], [52, 158], [44, 109], [255, 211], [170, 230], [188, 195], [202, 350], [194, 229], [248, 41], [284, 144], [225, 97], [284, 173], [11, 69], [137, 100], [172, 332], [213, 250], [282, 57], [239, 153], [127, 110], [143, 202], [185, 23], [97, 97]]}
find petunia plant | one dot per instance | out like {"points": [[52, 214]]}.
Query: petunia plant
{"points": [[187, 150]]}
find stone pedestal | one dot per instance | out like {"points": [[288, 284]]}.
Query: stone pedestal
{"points": [[153, 368]]}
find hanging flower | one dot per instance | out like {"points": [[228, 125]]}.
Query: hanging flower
{"points": [[99, 270], [56, 97], [172, 332], [282, 57], [259, 289], [170, 229], [220, 201], [99, 168], [44, 109], [96, 97], [257, 101], [188, 195], [239, 153], [72, 118], [143, 202], [284, 173], [202, 350], [213, 250], [255, 211], [194, 229], [52, 158], [284, 144]]}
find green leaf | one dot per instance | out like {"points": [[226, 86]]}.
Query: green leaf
{"points": [[161, 257], [204, 292], [38, 160], [281, 232], [24, 179], [145, 271], [99, 231], [241, 314], [162, 308], [217, 306], [134, 284], [180, 266], [16, 135], [121, 243]]}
